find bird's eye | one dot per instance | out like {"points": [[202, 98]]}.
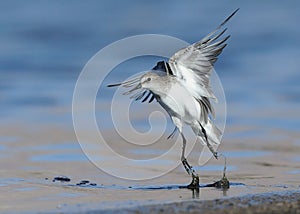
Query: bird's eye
{"points": [[149, 79]]}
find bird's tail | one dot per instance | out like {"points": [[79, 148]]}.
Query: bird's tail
{"points": [[213, 133]]}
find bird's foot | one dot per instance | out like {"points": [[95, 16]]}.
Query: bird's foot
{"points": [[221, 184], [224, 182], [195, 182]]}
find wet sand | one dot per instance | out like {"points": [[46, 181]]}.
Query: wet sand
{"points": [[46, 47], [281, 202], [31, 161]]}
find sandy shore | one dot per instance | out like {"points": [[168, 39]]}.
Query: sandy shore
{"points": [[279, 202], [31, 159]]}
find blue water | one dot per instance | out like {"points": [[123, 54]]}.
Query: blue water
{"points": [[2, 147], [218, 168], [45, 45], [61, 147], [69, 152], [66, 157]]}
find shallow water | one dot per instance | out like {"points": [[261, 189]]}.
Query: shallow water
{"points": [[44, 46]]}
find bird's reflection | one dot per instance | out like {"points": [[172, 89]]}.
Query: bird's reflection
{"points": [[195, 193]]}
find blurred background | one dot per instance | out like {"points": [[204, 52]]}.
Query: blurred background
{"points": [[44, 45]]}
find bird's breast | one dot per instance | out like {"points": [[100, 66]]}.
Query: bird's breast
{"points": [[178, 102]]}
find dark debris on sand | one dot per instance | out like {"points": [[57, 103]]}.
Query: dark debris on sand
{"points": [[61, 179]]}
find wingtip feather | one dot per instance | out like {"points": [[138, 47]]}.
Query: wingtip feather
{"points": [[113, 85]]}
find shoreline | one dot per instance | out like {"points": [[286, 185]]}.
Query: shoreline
{"points": [[273, 202]]}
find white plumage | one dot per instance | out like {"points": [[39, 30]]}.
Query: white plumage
{"points": [[182, 88]]}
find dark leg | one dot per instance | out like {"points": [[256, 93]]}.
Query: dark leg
{"points": [[224, 170], [189, 169], [223, 183], [195, 178]]}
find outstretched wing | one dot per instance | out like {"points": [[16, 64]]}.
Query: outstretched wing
{"points": [[193, 64]]}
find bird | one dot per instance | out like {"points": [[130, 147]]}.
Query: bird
{"points": [[182, 87]]}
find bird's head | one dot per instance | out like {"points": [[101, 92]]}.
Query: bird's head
{"points": [[150, 81], [139, 85]]}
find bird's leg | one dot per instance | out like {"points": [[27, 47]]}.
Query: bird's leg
{"points": [[223, 183], [195, 178], [186, 165], [225, 166]]}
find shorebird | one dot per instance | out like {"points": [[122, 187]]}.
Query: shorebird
{"points": [[182, 87]]}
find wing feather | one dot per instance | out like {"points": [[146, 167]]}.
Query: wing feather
{"points": [[193, 65], [147, 96]]}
